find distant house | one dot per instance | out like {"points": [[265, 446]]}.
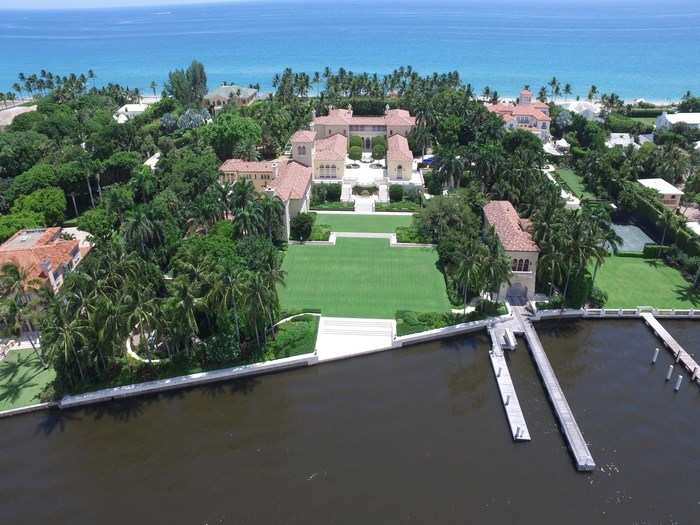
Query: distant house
{"points": [[588, 110], [43, 254], [518, 245], [670, 195], [621, 139], [288, 180], [152, 161], [129, 111], [9, 114], [531, 115], [666, 120], [225, 93]]}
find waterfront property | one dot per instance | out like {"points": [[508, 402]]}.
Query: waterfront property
{"points": [[22, 379], [344, 122], [669, 194], [512, 232], [362, 278], [44, 254], [526, 113]]}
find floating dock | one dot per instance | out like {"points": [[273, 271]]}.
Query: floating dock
{"points": [[572, 432], [676, 349], [516, 420]]}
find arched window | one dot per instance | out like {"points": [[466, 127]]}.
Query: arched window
{"points": [[333, 172], [514, 265], [301, 150], [399, 172], [526, 265], [520, 265]]}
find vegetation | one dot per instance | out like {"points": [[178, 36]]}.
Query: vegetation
{"points": [[355, 153], [364, 223], [410, 322], [362, 278]]}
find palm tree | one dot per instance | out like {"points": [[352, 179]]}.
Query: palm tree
{"points": [[592, 93], [141, 232], [181, 312], [567, 89], [153, 87], [449, 166], [272, 210]]}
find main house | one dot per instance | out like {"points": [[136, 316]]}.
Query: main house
{"points": [[344, 122], [519, 247], [43, 254], [531, 115]]}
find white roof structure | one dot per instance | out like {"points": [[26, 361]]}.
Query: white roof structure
{"points": [[152, 161], [562, 143], [694, 227], [621, 139], [697, 145], [585, 108], [688, 118], [661, 186], [128, 111], [549, 149]]}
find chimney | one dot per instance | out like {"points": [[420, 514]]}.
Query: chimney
{"points": [[386, 109], [275, 170]]}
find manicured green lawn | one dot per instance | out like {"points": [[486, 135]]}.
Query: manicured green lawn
{"points": [[362, 278], [633, 281], [574, 182], [649, 121], [352, 222], [22, 379]]}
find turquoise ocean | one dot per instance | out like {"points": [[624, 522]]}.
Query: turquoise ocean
{"points": [[648, 49]]}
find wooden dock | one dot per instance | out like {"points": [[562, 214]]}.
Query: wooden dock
{"points": [[514, 413], [675, 348], [572, 432]]}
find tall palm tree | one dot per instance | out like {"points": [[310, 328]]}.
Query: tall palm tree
{"points": [[271, 210]]}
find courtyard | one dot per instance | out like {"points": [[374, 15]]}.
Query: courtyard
{"points": [[362, 278], [634, 281]]}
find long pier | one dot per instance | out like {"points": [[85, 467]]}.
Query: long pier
{"points": [[514, 413], [674, 346], [572, 432]]}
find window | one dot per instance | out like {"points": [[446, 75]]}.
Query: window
{"points": [[333, 171], [526, 265], [399, 172], [520, 265], [301, 150], [514, 265]]}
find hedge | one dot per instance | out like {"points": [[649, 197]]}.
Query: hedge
{"points": [[355, 152], [395, 192], [655, 251], [334, 206], [409, 234], [378, 152], [359, 190], [355, 141], [403, 205], [645, 112]]}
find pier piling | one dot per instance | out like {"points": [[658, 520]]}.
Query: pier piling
{"points": [[669, 373], [656, 356], [679, 380]]}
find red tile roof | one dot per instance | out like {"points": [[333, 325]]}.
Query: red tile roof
{"points": [[35, 251], [507, 110], [398, 149], [334, 147], [335, 117], [303, 136], [399, 117], [503, 217], [344, 117], [238, 165], [292, 182]]}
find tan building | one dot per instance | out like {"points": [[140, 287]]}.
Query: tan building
{"points": [[529, 114], [329, 157], [669, 194], [399, 159], [518, 245], [226, 93], [260, 172], [343, 122], [43, 254]]}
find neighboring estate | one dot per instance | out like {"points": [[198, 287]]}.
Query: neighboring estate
{"points": [[531, 115], [670, 195], [666, 120], [225, 93], [43, 254]]}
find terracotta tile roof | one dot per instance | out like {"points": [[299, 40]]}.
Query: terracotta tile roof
{"points": [[399, 117], [368, 121], [398, 149], [334, 147], [526, 93], [292, 182], [335, 117], [39, 251], [303, 135], [503, 217], [504, 109], [238, 165]]}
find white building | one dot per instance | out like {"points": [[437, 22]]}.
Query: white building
{"points": [[129, 111], [670, 195], [666, 120], [621, 139]]}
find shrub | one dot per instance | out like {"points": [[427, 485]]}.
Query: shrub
{"points": [[379, 140], [355, 142], [334, 206], [320, 232], [412, 193], [378, 152], [359, 190], [333, 192], [395, 192], [355, 152], [409, 234], [598, 298], [655, 251], [50, 203], [432, 183], [300, 226], [403, 205]]}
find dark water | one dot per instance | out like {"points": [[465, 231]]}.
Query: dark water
{"points": [[411, 436], [636, 48]]}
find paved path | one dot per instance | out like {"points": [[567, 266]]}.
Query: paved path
{"points": [[511, 405], [341, 337], [567, 422], [676, 349]]}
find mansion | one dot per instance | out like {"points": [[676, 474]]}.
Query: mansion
{"points": [[320, 154], [531, 115]]}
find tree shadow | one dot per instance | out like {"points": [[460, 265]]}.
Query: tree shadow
{"points": [[11, 390], [688, 294], [56, 420]]}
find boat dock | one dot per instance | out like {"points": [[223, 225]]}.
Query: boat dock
{"points": [[676, 349], [572, 432], [514, 413]]}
